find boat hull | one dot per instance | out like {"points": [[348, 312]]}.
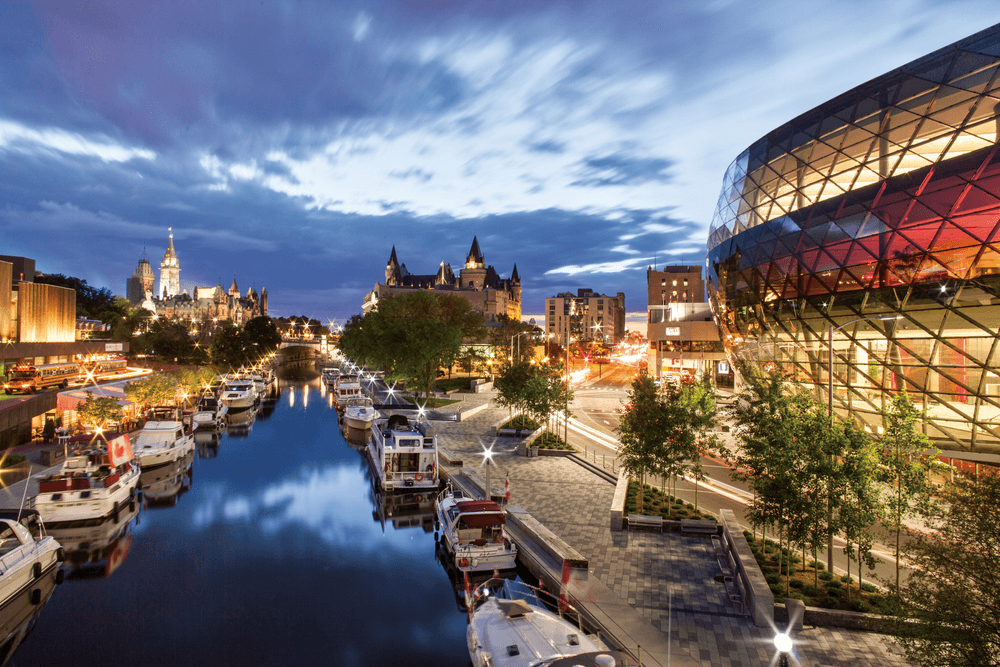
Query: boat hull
{"points": [[152, 458], [64, 506]]}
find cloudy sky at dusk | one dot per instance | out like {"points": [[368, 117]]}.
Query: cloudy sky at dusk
{"points": [[293, 143]]}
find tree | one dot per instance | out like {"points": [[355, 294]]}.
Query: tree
{"points": [[511, 341], [260, 338], [640, 432], [100, 412], [155, 389], [227, 346], [952, 593], [907, 464], [193, 382], [171, 340]]}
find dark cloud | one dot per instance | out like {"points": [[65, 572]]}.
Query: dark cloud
{"points": [[622, 170], [548, 146]]}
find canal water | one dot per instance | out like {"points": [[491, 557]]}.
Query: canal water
{"points": [[268, 549]]}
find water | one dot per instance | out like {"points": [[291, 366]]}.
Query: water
{"points": [[270, 552]]}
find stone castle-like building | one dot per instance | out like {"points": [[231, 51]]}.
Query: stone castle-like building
{"points": [[476, 282], [202, 305]]}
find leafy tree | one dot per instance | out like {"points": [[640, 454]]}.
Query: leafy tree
{"points": [[260, 337], [641, 431], [155, 389], [859, 503], [227, 346], [193, 382], [511, 385], [99, 412], [953, 592], [907, 464], [171, 340], [500, 339]]}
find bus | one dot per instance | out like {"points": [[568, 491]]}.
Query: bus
{"points": [[35, 378], [105, 368]]}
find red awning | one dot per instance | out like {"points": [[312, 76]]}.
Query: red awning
{"points": [[482, 520], [477, 506]]}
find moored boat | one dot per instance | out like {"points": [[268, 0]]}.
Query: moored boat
{"points": [[211, 413], [509, 627], [360, 413], [97, 481], [348, 387], [162, 442], [403, 456], [24, 558], [473, 533], [238, 394]]}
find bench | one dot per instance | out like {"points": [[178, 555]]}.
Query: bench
{"points": [[699, 527], [722, 558], [645, 521]]}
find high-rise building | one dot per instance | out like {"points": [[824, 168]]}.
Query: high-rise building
{"points": [[170, 271], [683, 338], [873, 221], [585, 316]]}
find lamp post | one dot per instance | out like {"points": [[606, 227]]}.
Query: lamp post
{"points": [[783, 644], [830, 331], [523, 333]]}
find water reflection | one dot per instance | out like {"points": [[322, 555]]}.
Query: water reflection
{"points": [[239, 424], [95, 549], [19, 615], [207, 444], [163, 486], [403, 510]]}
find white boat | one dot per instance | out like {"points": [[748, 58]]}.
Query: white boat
{"points": [[509, 627], [473, 533], [19, 614], [330, 377], [210, 415], [95, 482], [403, 456], [238, 394], [24, 559], [359, 413], [162, 442], [348, 387]]}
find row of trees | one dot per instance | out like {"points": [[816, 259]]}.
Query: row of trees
{"points": [[538, 390], [813, 477], [664, 432], [156, 389]]}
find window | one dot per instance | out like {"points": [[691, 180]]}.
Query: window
{"points": [[675, 283]]}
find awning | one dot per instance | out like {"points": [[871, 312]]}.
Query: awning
{"points": [[68, 400], [481, 520]]}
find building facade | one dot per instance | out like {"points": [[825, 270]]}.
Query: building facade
{"points": [[873, 221], [139, 287], [586, 316], [683, 336], [170, 271], [476, 282]]}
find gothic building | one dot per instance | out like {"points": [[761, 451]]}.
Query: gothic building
{"points": [[203, 304], [476, 282]]}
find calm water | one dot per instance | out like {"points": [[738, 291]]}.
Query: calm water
{"points": [[267, 550]]}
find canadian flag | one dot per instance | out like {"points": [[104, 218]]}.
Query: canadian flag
{"points": [[506, 487], [120, 451]]}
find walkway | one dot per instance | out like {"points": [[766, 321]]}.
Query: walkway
{"points": [[652, 572]]}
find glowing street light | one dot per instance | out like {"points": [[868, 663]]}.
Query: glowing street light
{"points": [[783, 645]]}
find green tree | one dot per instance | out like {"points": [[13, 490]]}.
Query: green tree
{"points": [[907, 464], [193, 382], [227, 346], [505, 340], [99, 412], [171, 340], [155, 389], [260, 337], [952, 593], [641, 432]]}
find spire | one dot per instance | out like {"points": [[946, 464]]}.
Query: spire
{"points": [[514, 278], [475, 253], [170, 244], [392, 257], [234, 290]]}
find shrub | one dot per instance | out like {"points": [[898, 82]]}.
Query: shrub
{"points": [[522, 422], [829, 602], [847, 579], [858, 604], [799, 596], [14, 459], [769, 547], [815, 564], [771, 578], [876, 599], [795, 583], [750, 538], [690, 506], [682, 512], [834, 586], [765, 570], [810, 590], [826, 576], [869, 588], [777, 589]]}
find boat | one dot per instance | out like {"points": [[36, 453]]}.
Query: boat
{"points": [[19, 614], [473, 532], [162, 442], [511, 626], [98, 480], [330, 377], [211, 413], [359, 413], [403, 456], [238, 394], [348, 387], [24, 559]]}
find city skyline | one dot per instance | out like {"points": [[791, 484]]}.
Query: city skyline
{"points": [[293, 147]]}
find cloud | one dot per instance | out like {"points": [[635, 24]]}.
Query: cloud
{"points": [[620, 170], [18, 137], [601, 267]]}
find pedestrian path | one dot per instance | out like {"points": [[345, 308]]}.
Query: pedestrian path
{"points": [[668, 578]]}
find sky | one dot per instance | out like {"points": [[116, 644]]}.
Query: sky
{"points": [[292, 144]]}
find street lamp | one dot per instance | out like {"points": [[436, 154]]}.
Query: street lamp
{"points": [[783, 645], [830, 330], [523, 333]]}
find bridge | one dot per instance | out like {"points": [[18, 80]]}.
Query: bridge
{"points": [[313, 343]]}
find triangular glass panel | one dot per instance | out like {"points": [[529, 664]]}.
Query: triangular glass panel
{"points": [[934, 71], [859, 256], [975, 199], [952, 236], [872, 225], [989, 46]]}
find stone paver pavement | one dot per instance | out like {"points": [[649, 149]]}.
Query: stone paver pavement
{"points": [[655, 573]]}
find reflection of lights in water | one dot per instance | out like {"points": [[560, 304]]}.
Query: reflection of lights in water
{"points": [[291, 397], [330, 399], [305, 396]]}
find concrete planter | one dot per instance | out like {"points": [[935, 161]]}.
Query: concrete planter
{"points": [[548, 451], [517, 433]]}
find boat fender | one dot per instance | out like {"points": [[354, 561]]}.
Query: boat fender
{"points": [[464, 562], [419, 477], [131, 506], [36, 570], [387, 466], [60, 575], [419, 498], [60, 554], [36, 596]]}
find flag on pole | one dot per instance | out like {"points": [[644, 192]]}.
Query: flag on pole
{"points": [[506, 487]]}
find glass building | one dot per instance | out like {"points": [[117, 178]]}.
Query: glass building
{"points": [[874, 220]]}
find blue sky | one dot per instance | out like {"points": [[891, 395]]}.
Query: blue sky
{"points": [[293, 143]]}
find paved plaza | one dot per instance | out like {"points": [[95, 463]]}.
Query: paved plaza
{"points": [[652, 572]]}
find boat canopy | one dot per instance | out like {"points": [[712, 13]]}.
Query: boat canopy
{"points": [[480, 513]]}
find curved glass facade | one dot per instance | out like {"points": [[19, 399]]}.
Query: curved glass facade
{"points": [[876, 215]]}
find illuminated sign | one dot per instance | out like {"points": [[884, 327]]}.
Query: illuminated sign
{"points": [[723, 368], [114, 347], [672, 331]]}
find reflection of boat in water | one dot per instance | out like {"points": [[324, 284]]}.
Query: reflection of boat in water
{"points": [[459, 578], [19, 614], [404, 510], [239, 424], [164, 486], [357, 439], [95, 549], [207, 444], [403, 456], [24, 557], [473, 531], [512, 625]]}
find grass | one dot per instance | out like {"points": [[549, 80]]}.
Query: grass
{"points": [[522, 422], [549, 440], [811, 583], [656, 503]]}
